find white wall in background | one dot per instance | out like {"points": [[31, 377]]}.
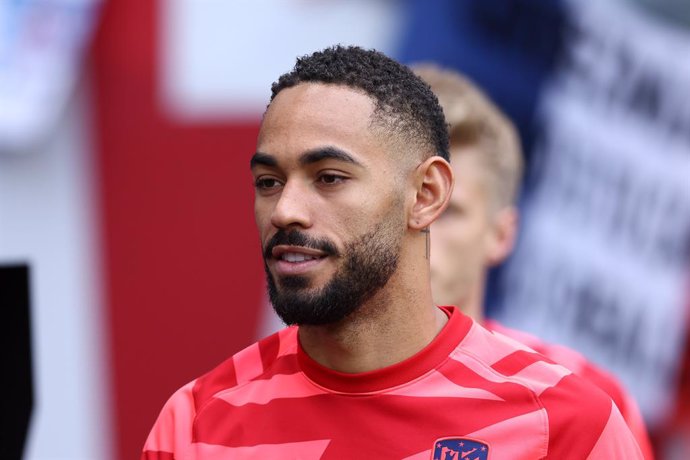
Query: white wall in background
{"points": [[47, 219]]}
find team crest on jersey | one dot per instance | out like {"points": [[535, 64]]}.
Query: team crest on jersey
{"points": [[460, 449]]}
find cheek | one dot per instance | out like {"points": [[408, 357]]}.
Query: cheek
{"points": [[455, 252], [443, 253], [448, 239], [262, 217]]}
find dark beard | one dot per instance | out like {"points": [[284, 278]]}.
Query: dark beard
{"points": [[369, 262]]}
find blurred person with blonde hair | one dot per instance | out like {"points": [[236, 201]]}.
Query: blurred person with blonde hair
{"points": [[478, 229]]}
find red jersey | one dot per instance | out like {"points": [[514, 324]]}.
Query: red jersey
{"points": [[471, 394], [577, 363]]}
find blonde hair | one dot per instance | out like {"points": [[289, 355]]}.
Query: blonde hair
{"points": [[475, 121]]}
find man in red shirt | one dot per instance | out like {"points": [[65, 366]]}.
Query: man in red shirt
{"points": [[350, 171], [478, 228]]}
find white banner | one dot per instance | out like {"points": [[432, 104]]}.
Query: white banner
{"points": [[42, 43], [603, 259], [221, 57]]}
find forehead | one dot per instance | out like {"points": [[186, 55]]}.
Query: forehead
{"points": [[310, 116], [471, 174]]}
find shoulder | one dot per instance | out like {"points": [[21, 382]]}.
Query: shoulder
{"points": [[510, 358], [249, 364], [584, 368], [579, 416], [503, 358], [572, 360], [173, 430]]}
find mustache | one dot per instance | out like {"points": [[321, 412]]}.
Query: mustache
{"points": [[298, 238]]}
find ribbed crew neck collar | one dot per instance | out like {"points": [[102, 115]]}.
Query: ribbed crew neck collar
{"points": [[405, 371]]}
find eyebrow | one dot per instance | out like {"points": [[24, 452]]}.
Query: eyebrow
{"points": [[309, 157], [262, 159]]}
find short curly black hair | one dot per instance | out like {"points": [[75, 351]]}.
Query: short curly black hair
{"points": [[404, 103]]}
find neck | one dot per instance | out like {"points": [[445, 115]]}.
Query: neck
{"points": [[473, 304], [357, 345]]}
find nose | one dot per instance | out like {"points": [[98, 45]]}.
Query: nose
{"points": [[292, 207]]}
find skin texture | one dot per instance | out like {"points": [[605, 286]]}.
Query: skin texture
{"points": [[471, 236], [339, 200]]}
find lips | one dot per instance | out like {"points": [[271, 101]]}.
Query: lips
{"points": [[295, 260], [296, 257], [295, 254]]}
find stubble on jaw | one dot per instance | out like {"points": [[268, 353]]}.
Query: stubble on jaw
{"points": [[367, 264]]}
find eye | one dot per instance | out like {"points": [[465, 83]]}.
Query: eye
{"points": [[267, 183], [332, 179]]}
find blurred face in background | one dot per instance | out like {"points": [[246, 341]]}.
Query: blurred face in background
{"points": [[479, 227], [465, 240]]}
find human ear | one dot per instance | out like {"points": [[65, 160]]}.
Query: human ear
{"points": [[433, 181], [503, 235]]}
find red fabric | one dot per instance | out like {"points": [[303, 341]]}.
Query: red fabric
{"points": [[569, 443], [577, 363], [157, 456], [294, 407], [410, 369]]}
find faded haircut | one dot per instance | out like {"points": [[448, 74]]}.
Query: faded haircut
{"points": [[404, 104]]}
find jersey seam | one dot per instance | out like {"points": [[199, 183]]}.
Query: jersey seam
{"points": [[236, 387], [532, 392]]}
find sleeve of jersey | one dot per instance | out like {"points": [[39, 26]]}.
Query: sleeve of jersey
{"points": [[585, 423], [626, 404], [633, 417], [171, 435]]}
